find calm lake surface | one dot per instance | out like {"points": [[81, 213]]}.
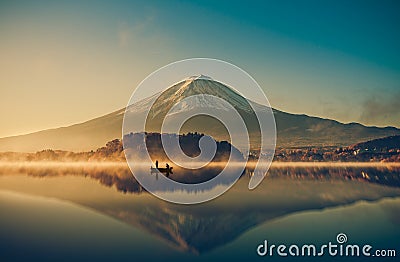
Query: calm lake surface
{"points": [[70, 215]]}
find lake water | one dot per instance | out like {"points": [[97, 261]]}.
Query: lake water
{"points": [[101, 216]]}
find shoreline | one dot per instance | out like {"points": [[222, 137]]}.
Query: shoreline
{"points": [[274, 164]]}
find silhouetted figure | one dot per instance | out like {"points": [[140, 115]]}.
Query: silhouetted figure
{"points": [[167, 169], [156, 163]]}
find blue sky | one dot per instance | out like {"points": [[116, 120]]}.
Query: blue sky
{"points": [[67, 62]]}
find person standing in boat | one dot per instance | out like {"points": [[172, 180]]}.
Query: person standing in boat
{"points": [[167, 170]]}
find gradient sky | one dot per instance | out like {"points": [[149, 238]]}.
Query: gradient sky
{"points": [[67, 62]]}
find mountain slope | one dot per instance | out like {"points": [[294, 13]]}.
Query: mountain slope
{"points": [[84, 136], [302, 130], [292, 130]]}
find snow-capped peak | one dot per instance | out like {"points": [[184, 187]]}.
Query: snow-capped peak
{"points": [[196, 77]]}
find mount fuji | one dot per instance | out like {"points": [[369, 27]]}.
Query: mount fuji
{"points": [[293, 130]]}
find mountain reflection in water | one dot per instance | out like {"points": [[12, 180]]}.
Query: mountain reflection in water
{"points": [[204, 227]]}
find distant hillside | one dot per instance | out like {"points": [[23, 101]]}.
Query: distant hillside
{"points": [[189, 144], [384, 144]]}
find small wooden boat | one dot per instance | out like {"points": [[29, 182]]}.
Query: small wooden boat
{"points": [[167, 171]]}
